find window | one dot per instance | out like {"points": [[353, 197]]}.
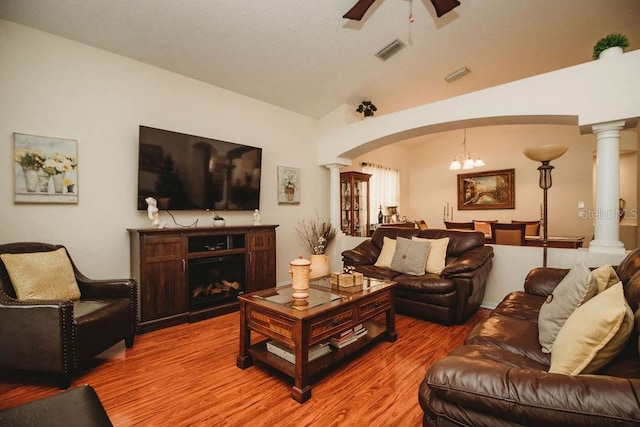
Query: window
{"points": [[384, 188]]}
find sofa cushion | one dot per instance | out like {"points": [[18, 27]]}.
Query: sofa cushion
{"points": [[577, 287], [386, 254], [520, 305], [42, 275], [410, 256], [594, 334], [437, 254], [377, 272], [514, 335], [606, 277]]}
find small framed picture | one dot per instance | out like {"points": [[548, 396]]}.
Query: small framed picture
{"points": [[487, 190], [288, 185], [45, 169]]}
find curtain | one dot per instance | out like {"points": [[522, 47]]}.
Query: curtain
{"points": [[384, 188]]}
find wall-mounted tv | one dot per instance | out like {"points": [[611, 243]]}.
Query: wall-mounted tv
{"points": [[187, 172]]}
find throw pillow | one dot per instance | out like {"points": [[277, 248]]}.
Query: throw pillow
{"points": [[577, 287], [437, 254], [42, 275], [594, 334], [605, 276], [410, 256], [386, 254]]}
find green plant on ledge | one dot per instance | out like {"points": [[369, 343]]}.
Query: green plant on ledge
{"points": [[367, 108], [612, 40], [217, 217]]}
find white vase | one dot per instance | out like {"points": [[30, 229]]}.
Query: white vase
{"points": [[30, 179], [611, 52], [319, 266], [57, 182], [218, 222], [300, 280]]}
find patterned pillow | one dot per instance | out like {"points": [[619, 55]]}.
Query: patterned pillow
{"points": [[42, 275], [577, 287], [410, 256]]}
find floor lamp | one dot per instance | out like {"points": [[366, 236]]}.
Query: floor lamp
{"points": [[544, 154]]}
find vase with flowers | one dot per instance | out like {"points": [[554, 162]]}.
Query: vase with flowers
{"points": [[316, 236], [289, 184], [56, 166], [30, 160]]}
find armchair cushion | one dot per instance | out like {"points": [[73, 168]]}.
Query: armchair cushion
{"points": [[606, 277], [410, 256], [42, 275], [577, 287], [594, 334]]}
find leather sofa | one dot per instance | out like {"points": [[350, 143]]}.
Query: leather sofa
{"points": [[451, 296], [60, 337], [500, 375]]}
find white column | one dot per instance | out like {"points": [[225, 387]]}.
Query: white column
{"points": [[334, 196], [607, 232]]}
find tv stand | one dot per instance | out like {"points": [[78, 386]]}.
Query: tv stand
{"points": [[190, 274]]}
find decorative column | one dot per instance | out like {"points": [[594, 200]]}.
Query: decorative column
{"points": [[334, 196], [607, 220]]}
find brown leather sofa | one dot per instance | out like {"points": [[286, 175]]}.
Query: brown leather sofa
{"points": [[59, 337], [500, 376], [449, 297]]}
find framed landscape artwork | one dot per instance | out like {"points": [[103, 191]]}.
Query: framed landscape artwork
{"points": [[486, 190], [45, 169], [288, 186]]}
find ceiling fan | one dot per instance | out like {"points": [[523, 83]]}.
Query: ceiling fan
{"points": [[361, 7]]}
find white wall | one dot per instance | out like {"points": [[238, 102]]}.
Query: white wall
{"points": [[54, 87]]}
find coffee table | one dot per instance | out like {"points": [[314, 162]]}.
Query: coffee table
{"points": [[329, 311]]}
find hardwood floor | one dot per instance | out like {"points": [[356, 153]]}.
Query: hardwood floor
{"points": [[186, 375]]}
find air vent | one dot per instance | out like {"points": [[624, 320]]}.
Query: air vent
{"points": [[390, 49]]}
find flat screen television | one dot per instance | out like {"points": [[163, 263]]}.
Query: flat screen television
{"points": [[187, 172]]}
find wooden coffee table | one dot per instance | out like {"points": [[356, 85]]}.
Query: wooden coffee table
{"points": [[330, 310]]}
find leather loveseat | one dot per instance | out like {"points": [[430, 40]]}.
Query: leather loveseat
{"points": [[448, 297], [501, 377]]}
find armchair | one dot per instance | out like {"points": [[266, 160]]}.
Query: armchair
{"points": [[60, 336]]}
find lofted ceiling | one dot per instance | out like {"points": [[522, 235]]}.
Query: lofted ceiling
{"points": [[303, 56]]}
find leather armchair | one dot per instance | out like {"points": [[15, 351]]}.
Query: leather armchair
{"points": [[60, 337]]}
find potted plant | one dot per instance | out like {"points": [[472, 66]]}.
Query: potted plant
{"points": [[218, 221], [316, 236], [367, 108], [616, 42]]}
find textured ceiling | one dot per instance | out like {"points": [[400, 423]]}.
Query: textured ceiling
{"points": [[303, 56]]}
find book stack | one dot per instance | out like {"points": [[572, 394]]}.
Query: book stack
{"points": [[287, 353], [349, 336]]}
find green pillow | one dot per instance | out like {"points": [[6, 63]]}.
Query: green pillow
{"points": [[42, 275], [410, 256], [577, 287]]}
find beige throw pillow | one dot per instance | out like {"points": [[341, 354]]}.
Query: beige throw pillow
{"points": [[410, 256], [386, 254], [577, 287], [605, 276], [437, 255], [594, 334], [42, 275]]}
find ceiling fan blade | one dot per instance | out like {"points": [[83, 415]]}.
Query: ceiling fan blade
{"points": [[444, 6], [359, 9]]}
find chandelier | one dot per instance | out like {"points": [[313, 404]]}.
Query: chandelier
{"points": [[465, 160]]}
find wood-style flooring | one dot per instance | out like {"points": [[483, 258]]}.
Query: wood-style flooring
{"points": [[186, 375]]}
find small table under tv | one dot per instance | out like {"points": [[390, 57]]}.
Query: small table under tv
{"points": [[300, 331]]}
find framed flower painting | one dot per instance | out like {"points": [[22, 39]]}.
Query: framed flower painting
{"points": [[45, 169], [288, 186]]}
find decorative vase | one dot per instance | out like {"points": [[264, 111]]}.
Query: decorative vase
{"points": [[319, 266], [610, 52], [218, 222], [30, 179], [70, 188], [289, 192], [57, 182], [43, 182], [300, 280]]}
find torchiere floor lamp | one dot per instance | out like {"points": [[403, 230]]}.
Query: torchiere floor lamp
{"points": [[544, 154]]}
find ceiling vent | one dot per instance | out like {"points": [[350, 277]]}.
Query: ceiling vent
{"points": [[390, 49]]}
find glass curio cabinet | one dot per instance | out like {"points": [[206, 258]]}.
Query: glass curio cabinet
{"points": [[354, 203]]}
